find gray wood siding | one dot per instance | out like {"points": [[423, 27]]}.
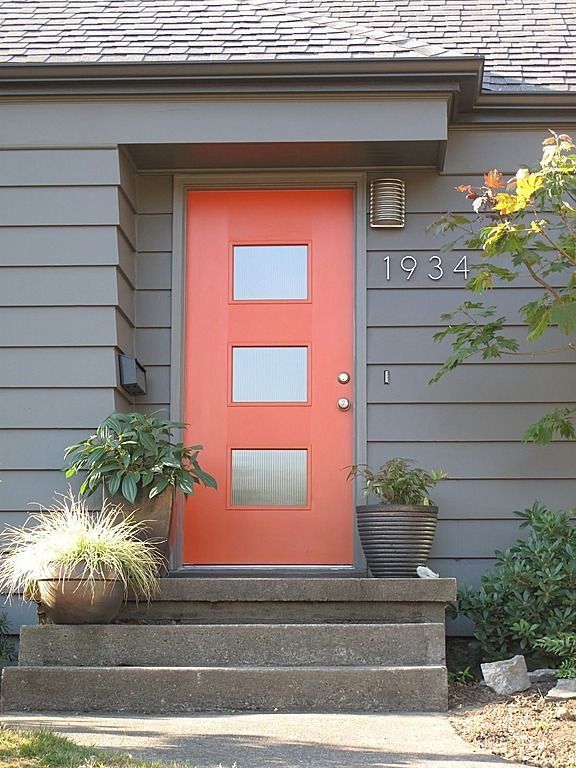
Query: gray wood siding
{"points": [[91, 239], [470, 423], [153, 283], [66, 308]]}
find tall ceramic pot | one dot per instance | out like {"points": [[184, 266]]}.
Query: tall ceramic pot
{"points": [[76, 600], [156, 514], [396, 539]]}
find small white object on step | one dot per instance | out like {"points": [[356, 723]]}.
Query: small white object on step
{"points": [[508, 676], [426, 573]]}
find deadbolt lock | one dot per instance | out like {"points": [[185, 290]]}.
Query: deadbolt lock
{"points": [[344, 404], [343, 377]]}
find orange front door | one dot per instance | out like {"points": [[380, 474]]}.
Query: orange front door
{"points": [[269, 319]]}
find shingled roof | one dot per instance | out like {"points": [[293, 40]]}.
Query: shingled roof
{"points": [[528, 44]]}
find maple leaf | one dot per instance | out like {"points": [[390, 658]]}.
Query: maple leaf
{"points": [[493, 179], [470, 193], [527, 186], [507, 204]]}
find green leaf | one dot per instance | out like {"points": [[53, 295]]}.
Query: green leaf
{"points": [[564, 316], [129, 487], [159, 486], [148, 442], [114, 483]]}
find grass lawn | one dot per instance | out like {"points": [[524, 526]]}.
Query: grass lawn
{"points": [[42, 749]]}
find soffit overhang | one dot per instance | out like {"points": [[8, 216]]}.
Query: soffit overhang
{"points": [[297, 113]]}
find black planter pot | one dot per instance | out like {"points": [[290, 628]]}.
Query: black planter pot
{"points": [[396, 539]]}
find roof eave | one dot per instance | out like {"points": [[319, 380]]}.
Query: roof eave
{"points": [[459, 77]]}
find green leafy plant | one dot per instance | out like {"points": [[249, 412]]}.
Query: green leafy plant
{"points": [[135, 450], [6, 645], [525, 227], [563, 646], [67, 536], [396, 482], [531, 592], [462, 676]]}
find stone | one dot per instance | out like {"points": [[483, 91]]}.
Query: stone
{"points": [[564, 689], [542, 675], [563, 713], [508, 676], [210, 689]]}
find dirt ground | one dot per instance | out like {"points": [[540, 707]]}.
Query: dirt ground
{"points": [[524, 727]]}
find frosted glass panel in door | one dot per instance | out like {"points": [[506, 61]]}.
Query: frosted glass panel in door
{"points": [[269, 478], [272, 272], [270, 374]]}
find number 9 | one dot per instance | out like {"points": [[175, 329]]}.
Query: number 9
{"points": [[409, 270]]}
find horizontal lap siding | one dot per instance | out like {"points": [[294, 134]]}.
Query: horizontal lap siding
{"points": [[470, 423], [154, 281], [65, 310]]}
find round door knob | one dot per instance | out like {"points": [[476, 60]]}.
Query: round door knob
{"points": [[344, 404], [343, 377]]}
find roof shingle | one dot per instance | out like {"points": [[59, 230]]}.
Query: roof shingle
{"points": [[528, 44]]}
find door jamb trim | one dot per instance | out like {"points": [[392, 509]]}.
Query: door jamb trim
{"points": [[271, 180]]}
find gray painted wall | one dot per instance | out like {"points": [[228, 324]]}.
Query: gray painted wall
{"points": [[85, 271], [66, 309], [469, 424]]}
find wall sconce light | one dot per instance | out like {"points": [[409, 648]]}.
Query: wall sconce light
{"points": [[132, 375], [387, 203]]}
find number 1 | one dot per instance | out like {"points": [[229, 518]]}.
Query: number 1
{"points": [[387, 262]]}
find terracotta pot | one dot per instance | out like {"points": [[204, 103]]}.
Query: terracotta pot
{"points": [[156, 513], [75, 601], [396, 539]]}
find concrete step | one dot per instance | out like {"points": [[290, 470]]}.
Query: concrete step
{"points": [[232, 644], [202, 689], [294, 600]]}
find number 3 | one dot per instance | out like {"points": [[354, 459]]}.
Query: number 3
{"points": [[438, 266]]}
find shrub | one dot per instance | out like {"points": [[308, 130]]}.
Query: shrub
{"points": [[397, 482], [6, 646], [531, 592], [67, 536], [136, 450], [563, 646]]}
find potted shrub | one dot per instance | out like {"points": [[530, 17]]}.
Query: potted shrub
{"points": [[135, 460], [76, 564], [397, 532]]}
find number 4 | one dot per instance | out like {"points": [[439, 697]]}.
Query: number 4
{"points": [[462, 267]]}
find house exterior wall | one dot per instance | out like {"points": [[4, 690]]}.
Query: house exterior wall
{"points": [[85, 271], [470, 423], [66, 309]]}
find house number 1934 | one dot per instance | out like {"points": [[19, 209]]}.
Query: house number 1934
{"points": [[409, 265]]}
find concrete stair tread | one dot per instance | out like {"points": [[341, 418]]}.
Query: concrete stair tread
{"points": [[232, 644], [306, 589], [294, 600], [188, 689]]}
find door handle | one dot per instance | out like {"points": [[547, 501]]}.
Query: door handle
{"points": [[344, 404]]}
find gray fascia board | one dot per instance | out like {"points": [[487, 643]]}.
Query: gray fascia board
{"points": [[462, 75], [460, 65], [528, 107]]}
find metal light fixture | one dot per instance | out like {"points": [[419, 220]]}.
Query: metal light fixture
{"points": [[132, 375], [387, 203]]}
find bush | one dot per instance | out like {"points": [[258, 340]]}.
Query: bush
{"points": [[531, 592], [563, 646], [6, 646]]}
